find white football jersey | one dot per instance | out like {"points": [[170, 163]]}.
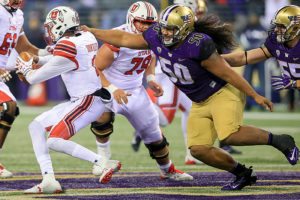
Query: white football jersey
{"points": [[81, 49], [127, 70], [11, 25]]}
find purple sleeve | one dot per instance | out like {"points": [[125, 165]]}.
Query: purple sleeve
{"points": [[270, 44], [151, 34], [207, 48]]}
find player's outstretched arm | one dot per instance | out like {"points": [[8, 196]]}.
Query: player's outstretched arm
{"points": [[240, 58], [23, 44], [219, 67], [119, 38]]}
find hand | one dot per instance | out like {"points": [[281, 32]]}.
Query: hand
{"points": [[283, 82], [121, 96], [85, 28], [4, 75], [157, 89], [264, 102], [23, 67], [50, 48]]}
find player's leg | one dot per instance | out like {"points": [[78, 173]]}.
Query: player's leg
{"points": [[248, 135], [37, 129], [148, 128], [203, 129], [8, 112], [77, 116], [185, 105], [102, 128]]}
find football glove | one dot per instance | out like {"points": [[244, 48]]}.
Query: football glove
{"points": [[23, 67], [5, 76], [283, 82]]}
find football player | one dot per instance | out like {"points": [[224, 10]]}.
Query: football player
{"points": [[123, 72], [73, 59], [12, 37], [283, 43], [173, 99], [188, 53]]}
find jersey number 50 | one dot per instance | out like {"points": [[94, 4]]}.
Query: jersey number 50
{"points": [[181, 73]]}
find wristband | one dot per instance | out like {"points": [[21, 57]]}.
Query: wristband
{"points": [[111, 88], [150, 77]]}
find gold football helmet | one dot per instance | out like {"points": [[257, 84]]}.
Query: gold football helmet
{"points": [[288, 19], [179, 19]]}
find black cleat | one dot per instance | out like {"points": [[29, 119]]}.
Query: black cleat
{"points": [[247, 178], [136, 143], [291, 152], [231, 150]]}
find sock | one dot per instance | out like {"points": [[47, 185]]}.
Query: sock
{"points": [[165, 168], [38, 138], [239, 169], [73, 149], [48, 177], [270, 139], [281, 142], [103, 149]]}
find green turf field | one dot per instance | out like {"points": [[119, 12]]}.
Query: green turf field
{"points": [[18, 155]]}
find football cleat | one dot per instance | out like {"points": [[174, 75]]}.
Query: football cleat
{"points": [[190, 160], [291, 151], [230, 149], [4, 173], [106, 175], [45, 187], [292, 155], [114, 164], [175, 174], [247, 178]]}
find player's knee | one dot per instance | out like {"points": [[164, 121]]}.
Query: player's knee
{"points": [[8, 113], [158, 150], [103, 128], [51, 143], [199, 151]]}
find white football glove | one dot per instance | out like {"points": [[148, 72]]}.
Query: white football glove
{"points": [[5, 75], [22, 66], [47, 51]]}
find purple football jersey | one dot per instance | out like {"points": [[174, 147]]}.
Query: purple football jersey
{"points": [[288, 58], [182, 64]]}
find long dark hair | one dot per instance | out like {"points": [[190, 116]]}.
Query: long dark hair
{"points": [[220, 32]]}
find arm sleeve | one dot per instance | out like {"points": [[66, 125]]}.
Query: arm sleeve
{"points": [[54, 67], [66, 49], [44, 59]]}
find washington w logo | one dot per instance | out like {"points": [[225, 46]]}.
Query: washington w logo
{"points": [[186, 18], [295, 19]]}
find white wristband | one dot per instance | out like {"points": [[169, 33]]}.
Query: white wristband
{"points": [[111, 88], [150, 77]]}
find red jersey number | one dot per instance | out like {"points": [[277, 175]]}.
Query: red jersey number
{"points": [[9, 42], [140, 64]]}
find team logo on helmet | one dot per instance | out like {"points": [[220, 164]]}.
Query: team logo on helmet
{"points": [[134, 8], [56, 14], [187, 18]]}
